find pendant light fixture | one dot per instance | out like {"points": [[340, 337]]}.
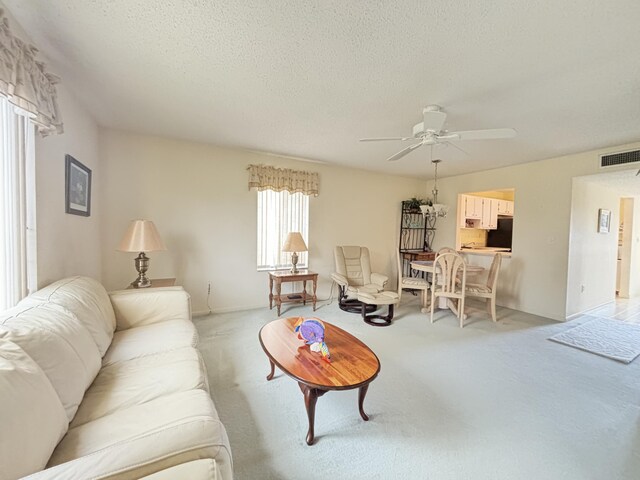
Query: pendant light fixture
{"points": [[436, 209]]}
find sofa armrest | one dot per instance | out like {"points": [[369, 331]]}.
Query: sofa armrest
{"points": [[134, 308], [340, 279], [379, 279]]}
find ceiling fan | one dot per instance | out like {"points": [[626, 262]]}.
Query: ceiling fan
{"points": [[430, 132]]}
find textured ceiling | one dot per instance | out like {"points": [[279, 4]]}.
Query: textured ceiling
{"points": [[308, 78]]}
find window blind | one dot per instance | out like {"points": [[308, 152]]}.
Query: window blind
{"points": [[17, 206], [278, 214]]}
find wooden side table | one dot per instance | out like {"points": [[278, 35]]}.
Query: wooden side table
{"points": [[278, 277], [157, 282]]}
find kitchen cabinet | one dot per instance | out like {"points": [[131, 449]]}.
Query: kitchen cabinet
{"points": [[478, 212], [482, 212], [472, 207], [489, 220], [505, 207]]}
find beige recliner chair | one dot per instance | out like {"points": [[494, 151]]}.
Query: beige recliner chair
{"points": [[353, 275]]}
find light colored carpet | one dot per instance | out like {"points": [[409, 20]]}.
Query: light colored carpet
{"points": [[490, 401], [603, 336]]}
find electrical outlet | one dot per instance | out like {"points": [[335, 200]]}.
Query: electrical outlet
{"points": [[209, 289]]}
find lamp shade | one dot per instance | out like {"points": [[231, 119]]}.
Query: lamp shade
{"points": [[294, 243], [141, 236]]}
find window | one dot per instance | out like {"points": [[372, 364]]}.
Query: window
{"points": [[17, 206], [278, 214]]}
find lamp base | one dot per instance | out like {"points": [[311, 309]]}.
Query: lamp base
{"points": [[294, 263], [144, 283], [142, 265]]}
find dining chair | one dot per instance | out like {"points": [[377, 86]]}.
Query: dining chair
{"points": [[449, 281], [487, 291], [446, 250], [412, 283]]}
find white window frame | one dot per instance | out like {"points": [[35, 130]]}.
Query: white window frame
{"points": [[18, 247], [278, 214]]}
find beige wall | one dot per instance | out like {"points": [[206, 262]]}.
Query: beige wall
{"points": [[534, 279], [67, 244], [591, 279], [197, 195]]}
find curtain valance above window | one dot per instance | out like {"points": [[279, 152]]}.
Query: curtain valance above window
{"points": [[266, 177], [25, 82]]}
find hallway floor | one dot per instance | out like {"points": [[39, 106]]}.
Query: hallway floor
{"points": [[625, 309]]}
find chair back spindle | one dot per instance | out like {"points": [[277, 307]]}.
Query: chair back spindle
{"points": [[492, 278]]}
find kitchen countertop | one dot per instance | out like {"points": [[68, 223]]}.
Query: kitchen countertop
{"points": [[486, 250]]}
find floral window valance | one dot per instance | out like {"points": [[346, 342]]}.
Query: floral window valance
{"points": [[265, 177], [25, 82]]}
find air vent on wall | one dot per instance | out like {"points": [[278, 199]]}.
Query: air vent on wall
{"points": [[620, 158]]}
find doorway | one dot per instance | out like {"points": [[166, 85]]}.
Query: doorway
{"points": [[623, 263], [604, 256]]}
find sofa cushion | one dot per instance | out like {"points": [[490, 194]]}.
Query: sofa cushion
{"points": [[33, 420], [59, 344], [144, 439], [150, 339], [85, 298], [133, 382]]}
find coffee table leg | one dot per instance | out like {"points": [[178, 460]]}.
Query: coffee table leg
{"points": [[270, 376], [310, 398], [361, 394]]}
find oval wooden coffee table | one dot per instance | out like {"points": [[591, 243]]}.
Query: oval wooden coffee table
{"points": [[353, 364]]}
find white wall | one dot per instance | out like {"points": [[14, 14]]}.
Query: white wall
{"points": [[593, 256], [67, 244], [198, 197], [534, 279]]}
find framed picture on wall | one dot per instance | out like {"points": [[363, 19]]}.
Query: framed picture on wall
{"points": [[77, 187], [604, 220]]}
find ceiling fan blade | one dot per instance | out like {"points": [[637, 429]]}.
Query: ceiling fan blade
{"points": [[433, 118], [383, 139], [492, 133], [449, 144], [403, 152]]}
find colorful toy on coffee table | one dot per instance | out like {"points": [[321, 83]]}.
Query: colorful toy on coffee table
{"points": [[311, 330]]}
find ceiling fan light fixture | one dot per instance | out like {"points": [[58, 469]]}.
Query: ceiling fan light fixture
{"points": [[431, 131]]}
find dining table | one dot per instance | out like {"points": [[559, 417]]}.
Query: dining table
{"points": [[426, 267]]}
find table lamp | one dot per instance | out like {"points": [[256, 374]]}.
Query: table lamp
{"points": [[294, 243], [141, 236]]}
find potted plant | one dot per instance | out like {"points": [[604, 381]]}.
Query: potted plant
{"points": [[414, 203]]}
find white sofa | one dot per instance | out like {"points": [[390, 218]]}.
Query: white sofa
{"points": [[106, 385]]}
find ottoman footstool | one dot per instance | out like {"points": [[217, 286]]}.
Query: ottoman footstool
{"points": [[378, 299]]}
